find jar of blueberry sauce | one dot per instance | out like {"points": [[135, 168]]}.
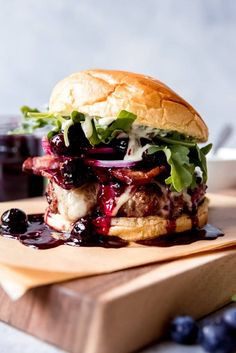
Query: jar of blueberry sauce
{"points": [[14, 149]]}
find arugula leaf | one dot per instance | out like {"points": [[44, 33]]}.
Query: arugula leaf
{"points": [[66, 127], [57, 128], [176, 139], [124, 114], [182, 154], [25, 110], [77, 117], [105, 134], [94, 138], [181, 171], [206, 149], [34, 119], [122, 123], [28, 126], [198, 158], [155, 148], [183, 160], [202, 163]]}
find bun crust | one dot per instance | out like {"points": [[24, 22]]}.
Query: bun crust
{"points": [[105, 93], [134, 229]]}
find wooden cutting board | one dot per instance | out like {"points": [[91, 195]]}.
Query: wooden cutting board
{"points": [[126, 310]]}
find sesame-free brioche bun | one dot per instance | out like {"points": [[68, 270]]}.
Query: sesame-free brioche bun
{"points": [[105, 93], [136, 228]]}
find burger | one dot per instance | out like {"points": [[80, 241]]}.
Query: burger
{"points": [[121, 157]]}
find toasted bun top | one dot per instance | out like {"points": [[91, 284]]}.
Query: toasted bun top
{"points": [[105, 93]]}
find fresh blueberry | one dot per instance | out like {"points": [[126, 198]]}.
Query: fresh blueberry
{"points": [[229, 318], [121, 145], [154, 159], [14, 215], [74, 173], [57, 144], [14, 221], [215, 338], [184, 330], [82, 230], [77, 138]]}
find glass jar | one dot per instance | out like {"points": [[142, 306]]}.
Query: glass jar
{"points": [[14, 149]]}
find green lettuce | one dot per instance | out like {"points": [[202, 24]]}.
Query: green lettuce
{"points": [[55, 122], [183, 161], [182, 153], [122, 123]]}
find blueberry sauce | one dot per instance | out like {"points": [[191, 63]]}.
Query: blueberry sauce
{"points": [[208, 232], [37, 234], [171, 226], [108, 195], [92, 232], [102, 224], [40, 236]]}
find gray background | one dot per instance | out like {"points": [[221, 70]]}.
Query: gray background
{"points": [[188, 44]]}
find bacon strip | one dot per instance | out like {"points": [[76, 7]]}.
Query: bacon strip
{"points": [[49, 165], [130, 176], [41, 165]]}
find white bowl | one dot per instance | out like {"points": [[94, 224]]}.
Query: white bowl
{"points": [[222, 170]]}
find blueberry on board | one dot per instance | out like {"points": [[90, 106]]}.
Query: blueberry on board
{"points": [[14, 215], [184, 329], [82, 229], [14, 221], [216, 338], [229, 319]]}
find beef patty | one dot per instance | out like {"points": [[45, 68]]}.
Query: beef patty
{"points": [[152, 199]]}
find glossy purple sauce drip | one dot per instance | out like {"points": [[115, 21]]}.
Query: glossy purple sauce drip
{"points": [[208, 232], [40, 236], [102, 224], [107, 197]]}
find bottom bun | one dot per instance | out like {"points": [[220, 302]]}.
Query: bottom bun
{"points": [[134, 229], [140, 228]]}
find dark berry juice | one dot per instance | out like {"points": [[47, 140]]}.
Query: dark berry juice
{"points": [[14, 149]]}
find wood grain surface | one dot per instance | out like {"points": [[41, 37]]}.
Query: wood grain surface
{"points": [[126, 310]]}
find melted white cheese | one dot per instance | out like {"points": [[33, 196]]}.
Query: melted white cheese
{"points": [[87, 126], [135, 149], [105, 121], [120, 201], [76, 203]]}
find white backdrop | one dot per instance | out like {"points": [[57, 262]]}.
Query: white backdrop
{"points": [[188, 44]]}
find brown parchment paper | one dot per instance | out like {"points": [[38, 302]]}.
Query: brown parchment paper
{"points": [[22, 267]]}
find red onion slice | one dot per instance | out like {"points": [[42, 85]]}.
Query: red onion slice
{"points": [[110, 164], [101, 150], [46, 145]]}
